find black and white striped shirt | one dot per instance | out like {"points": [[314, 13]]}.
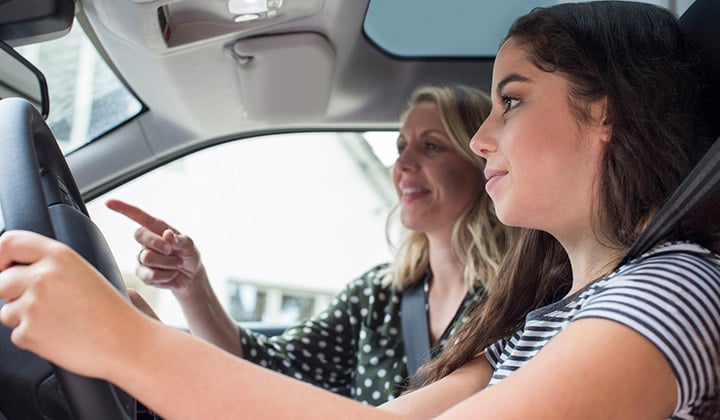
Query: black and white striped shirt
{"points": [[671, 296]]}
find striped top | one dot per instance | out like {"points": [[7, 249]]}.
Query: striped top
{"points": [[671, 296]]}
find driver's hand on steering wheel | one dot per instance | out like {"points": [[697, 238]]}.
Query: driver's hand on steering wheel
{"points": [[167, 259], [53, 296]]}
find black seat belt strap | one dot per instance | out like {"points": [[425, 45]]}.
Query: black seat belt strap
{"points": [[416, 338], [703, 178]]}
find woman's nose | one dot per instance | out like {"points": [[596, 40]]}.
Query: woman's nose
{"points": [[406, 160], [404, 165], [483, 142]]}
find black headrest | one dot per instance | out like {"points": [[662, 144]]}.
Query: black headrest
{"points": [[702, 23]]}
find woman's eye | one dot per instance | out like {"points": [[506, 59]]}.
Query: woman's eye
{"points": [[432, 146], [509, 102]]}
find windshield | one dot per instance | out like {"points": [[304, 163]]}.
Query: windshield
{"points": [[86, 97]]}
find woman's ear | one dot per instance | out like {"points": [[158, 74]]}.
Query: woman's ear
{"points": [[606, 131], [599, 112]]}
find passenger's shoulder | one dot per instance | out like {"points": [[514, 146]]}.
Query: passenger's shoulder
{"points": [[374, 278], [675, 256], [675, 268]]}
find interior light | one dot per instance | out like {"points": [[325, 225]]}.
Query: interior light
{"points": [[247, 17], [249, 10], [246, 7]]}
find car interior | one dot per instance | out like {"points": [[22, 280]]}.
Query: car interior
{"points": [[208, 72]]}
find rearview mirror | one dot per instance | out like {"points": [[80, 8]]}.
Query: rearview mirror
{"points": [[19, 78]]}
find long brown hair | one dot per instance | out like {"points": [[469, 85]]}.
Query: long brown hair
{"points": [[637, 59]]}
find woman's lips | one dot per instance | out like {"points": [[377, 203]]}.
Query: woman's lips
{"points": [[411, 192], [493, 176]]}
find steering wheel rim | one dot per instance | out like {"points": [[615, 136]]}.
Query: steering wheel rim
{"points": [[38, 193]]}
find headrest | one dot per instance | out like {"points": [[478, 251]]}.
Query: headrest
{"points": [[702, 23]]}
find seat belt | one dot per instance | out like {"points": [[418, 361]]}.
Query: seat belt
{"points": [[703, 178], [416, 338]]}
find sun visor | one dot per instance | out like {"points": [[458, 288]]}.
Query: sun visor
{"points": [[285, 77]]}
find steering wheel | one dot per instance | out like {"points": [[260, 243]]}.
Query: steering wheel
{"points": [[38, 193]]}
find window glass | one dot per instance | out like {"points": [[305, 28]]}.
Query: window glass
{"points": [[453, 28], [283, 222], [86, 97], [246, 302]]}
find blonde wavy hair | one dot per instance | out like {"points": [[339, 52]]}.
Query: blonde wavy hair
{"points": [[479, 240]]}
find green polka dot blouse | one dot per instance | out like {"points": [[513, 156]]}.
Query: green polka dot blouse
{"points": [[354, 346]]}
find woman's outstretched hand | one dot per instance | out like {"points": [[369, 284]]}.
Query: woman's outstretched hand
{"points": [[170, 260], [167, 259]]}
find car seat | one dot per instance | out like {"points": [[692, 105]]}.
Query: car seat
{"points": [[702, 23], [700, 191]]}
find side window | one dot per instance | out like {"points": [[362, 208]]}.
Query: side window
{"points": [[86, 98], [283, 222]]}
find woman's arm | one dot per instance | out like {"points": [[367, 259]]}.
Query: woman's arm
{"points": [[434, 399], [216, 384], [51, 294], [593, 369]]}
